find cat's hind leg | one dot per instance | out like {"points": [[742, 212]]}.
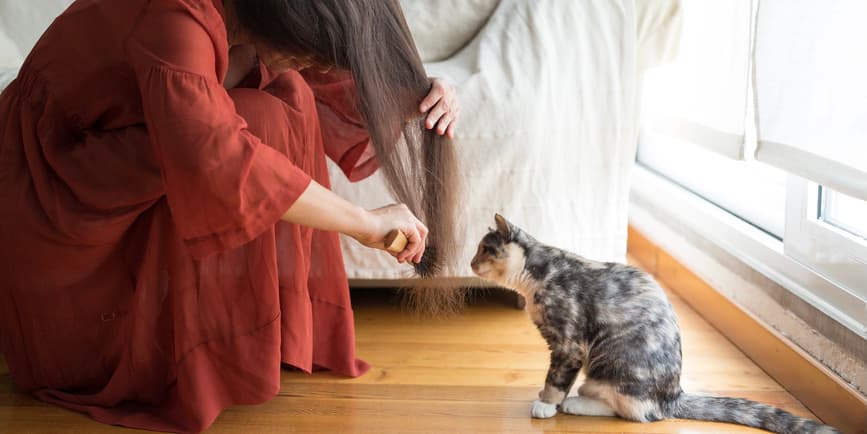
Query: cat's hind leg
{"points": [[586, 406], [639, 410], [625, 406]]}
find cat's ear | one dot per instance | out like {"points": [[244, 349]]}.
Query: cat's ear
{"points": [[503, 227]]}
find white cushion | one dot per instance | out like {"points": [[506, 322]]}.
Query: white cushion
{"points": [[10, 57], [24, 21], [442, 27], [21, 25], [6, 77]]}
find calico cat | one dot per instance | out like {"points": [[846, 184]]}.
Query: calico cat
{"points": [[616, 323]]}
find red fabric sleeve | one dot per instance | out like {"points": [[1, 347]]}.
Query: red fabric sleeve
{"points": [[223, 185], [344, 134]]}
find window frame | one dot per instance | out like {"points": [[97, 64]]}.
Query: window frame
{"points": [[825, 198], [817, 243], [761, 251]]}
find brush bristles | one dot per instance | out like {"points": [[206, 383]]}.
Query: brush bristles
{"points": [[430, 264], [434, 300]]}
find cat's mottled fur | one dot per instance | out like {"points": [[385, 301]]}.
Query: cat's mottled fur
{"points": [[616, 323]]}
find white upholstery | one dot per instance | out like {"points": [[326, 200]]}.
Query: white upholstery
{"points": [[24, 21], [550, 92], [6, 76], [9, 55], [442, 27]]}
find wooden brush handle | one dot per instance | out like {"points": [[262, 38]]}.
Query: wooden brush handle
{"points": [[395, 241]]}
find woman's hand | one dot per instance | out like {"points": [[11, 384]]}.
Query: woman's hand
{"points": [[381, 221], [319, 208], [442, 108]]}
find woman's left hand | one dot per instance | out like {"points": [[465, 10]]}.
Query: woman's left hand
{"points": [[442, 108]]}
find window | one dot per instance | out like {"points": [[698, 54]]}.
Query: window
{"points": [[835, 252], [812, 225], [844, 212], [752, 191], [782, 147]]}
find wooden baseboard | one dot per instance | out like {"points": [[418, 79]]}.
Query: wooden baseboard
{"points": [[819, 389]]}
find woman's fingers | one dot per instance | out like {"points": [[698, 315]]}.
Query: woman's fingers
{"points": [[444, 123], [436, 114], [436, 93], [443, 115], [422, 229], [441, 105], [399, 216], [415, 247], [415, 243]]}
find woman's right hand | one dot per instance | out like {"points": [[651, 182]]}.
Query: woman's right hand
{"points": [[379, 222], [319, 208]]}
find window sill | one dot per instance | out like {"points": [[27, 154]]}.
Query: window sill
{"points": [[760, 251]]}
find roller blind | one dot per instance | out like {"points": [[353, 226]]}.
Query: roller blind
{"points": [[701, 97], [811, 90]]}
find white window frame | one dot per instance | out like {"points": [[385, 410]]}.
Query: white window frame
{"points": [[761, 251], [828, 249], [831, 195]]}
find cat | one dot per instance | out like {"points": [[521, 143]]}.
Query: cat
{"points": [[616, 323]]}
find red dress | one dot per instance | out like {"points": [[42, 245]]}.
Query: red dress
{"points": [[146, 277]]}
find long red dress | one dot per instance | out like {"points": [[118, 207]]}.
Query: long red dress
{"points": [[146, 278]]}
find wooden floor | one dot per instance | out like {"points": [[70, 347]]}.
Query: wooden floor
{"points": [[476, 373]]}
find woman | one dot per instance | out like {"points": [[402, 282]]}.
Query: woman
{"points": [[149, 149]]}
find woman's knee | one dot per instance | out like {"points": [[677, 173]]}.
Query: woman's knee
{"points": [[287, 99], [283, 119], [265, 114]]}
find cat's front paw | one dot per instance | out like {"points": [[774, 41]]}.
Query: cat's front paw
{"points": [[543, 410]]}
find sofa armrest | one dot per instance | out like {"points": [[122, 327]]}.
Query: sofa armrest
{"points": [[6, 77], [10, 56], [442, 27]]}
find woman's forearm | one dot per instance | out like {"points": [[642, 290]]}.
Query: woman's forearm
{"points": [[319, 208]]}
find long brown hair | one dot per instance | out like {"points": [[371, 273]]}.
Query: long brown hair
{"points": [[370, 38]]}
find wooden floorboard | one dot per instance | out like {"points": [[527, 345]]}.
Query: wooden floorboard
{"points": [[477, 372]]}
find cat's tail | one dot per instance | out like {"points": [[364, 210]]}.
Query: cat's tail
{"points": [[745, 412]]}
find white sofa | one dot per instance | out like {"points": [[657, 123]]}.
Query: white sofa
{"points": [[550, 92]]}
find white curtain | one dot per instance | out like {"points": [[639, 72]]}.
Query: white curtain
{"points": [[701, 97], [811, 90]]}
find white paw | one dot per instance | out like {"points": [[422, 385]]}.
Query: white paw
{"points": [[543, 410]]}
